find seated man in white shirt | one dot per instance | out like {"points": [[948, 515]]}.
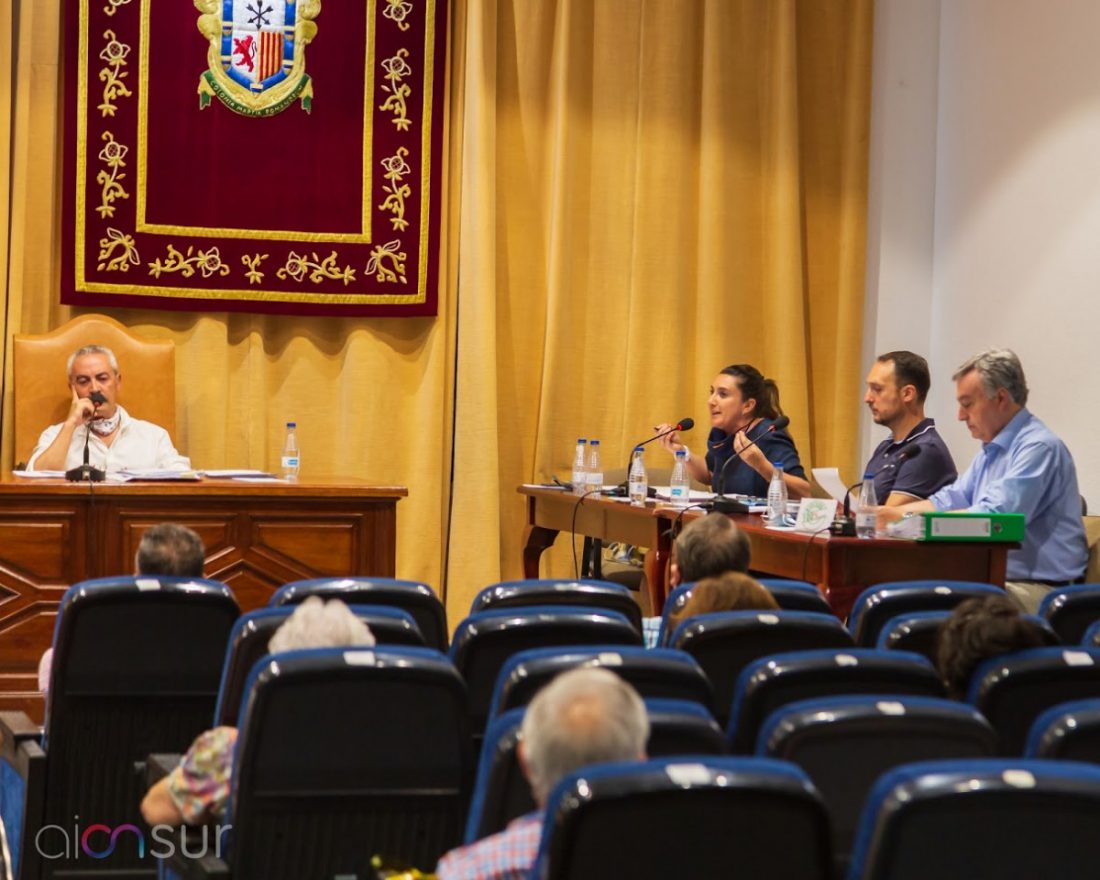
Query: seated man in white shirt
{"points": [[116, 440]]}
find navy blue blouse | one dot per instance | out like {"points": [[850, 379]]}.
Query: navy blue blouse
{"points": [[740, 479]]}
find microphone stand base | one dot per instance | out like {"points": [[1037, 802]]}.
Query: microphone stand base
{"points": [[85, 474], [843, 527], [729, 505]]}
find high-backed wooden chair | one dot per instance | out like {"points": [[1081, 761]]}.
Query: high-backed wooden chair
{"points": [[148, 368]]}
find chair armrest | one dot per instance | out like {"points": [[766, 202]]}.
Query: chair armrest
{"points": [[21, 751], [159, 765], [201, 868], [15, 729]]}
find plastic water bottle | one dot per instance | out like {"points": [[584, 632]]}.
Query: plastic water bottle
{"points": [[595, 469], [679, 485], [865, 513], [638, 481], [291, 456], [777, 496], [580, 467]]}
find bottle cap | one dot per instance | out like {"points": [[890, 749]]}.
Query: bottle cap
{"points": [[777, 464], [581, 440], [594, 443], [868, 476], [681, 453], [638, 449], [292, 424]]}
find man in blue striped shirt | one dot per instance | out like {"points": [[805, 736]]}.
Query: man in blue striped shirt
{"points": [[1022, 468]]}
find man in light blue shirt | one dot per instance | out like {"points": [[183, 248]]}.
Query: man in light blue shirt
{"points": [[1022, 468]]}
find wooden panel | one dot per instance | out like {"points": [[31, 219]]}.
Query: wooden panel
{"points": [[257, 537], [326, 545]]}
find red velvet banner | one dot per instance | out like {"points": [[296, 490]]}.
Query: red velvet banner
{"points": [[254, 155]]}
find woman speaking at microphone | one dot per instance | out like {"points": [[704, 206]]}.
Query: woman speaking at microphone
{"points": [[744, 408]]}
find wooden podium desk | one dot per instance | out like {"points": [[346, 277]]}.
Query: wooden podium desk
{"points": [[257, 536], [841, 567]]}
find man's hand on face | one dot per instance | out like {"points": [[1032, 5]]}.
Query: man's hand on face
{"points": [[81, 411]]}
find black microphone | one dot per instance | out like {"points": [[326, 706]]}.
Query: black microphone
{"points": [[778, 425], [623, 489], [86, 472], [844, 526]]}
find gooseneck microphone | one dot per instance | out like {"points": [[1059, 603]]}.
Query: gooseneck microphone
{"points": [[87, 473], [623, 488], [844, 526], [720, 483]]}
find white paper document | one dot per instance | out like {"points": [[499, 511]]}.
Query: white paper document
{"points": [[40, 475], [829, 480]]}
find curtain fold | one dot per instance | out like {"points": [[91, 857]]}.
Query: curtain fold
{"points": [[639, 193]]}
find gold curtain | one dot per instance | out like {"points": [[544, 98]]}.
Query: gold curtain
{"points": [[652, 189], [639, 192]]}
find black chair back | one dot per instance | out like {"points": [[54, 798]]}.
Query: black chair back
{"points": [[251, 633], [417, 598], [771, 683], [583, 593], [1071, 610], [726, 642], [752, 819], [877, 604], [845, 743], [484, 642], [982, 818], [1014, 689], [345, 754], [653, 672], [135, 671]]}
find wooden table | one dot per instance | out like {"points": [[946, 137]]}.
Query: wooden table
{"points": [[841, 567], [257, 536]]}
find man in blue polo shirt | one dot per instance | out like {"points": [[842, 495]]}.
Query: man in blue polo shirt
{"points": [[896, 388], [1022, 468]]}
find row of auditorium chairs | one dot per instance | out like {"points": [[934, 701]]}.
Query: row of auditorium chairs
{"points": [[756, 818], [99, 687]]}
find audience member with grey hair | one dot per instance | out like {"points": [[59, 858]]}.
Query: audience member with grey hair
{"points": [[1022, 468], [115, 439], [584, 716], [196, 791]]}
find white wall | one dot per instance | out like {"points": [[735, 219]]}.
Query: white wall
{"points": [[1015, 230]]}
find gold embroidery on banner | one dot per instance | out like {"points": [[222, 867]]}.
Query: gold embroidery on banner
{"points": [[397, 11], [396, 70], [112, 76], [207, 262], [297, 266], [119, 262], [396, 168], [114, 155], [387, 253], [254, 275], [112, 6]]}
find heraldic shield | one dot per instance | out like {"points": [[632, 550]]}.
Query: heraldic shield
{"points": [[256, 63]]}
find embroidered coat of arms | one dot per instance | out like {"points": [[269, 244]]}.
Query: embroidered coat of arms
{"points": [[256, 62]]}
